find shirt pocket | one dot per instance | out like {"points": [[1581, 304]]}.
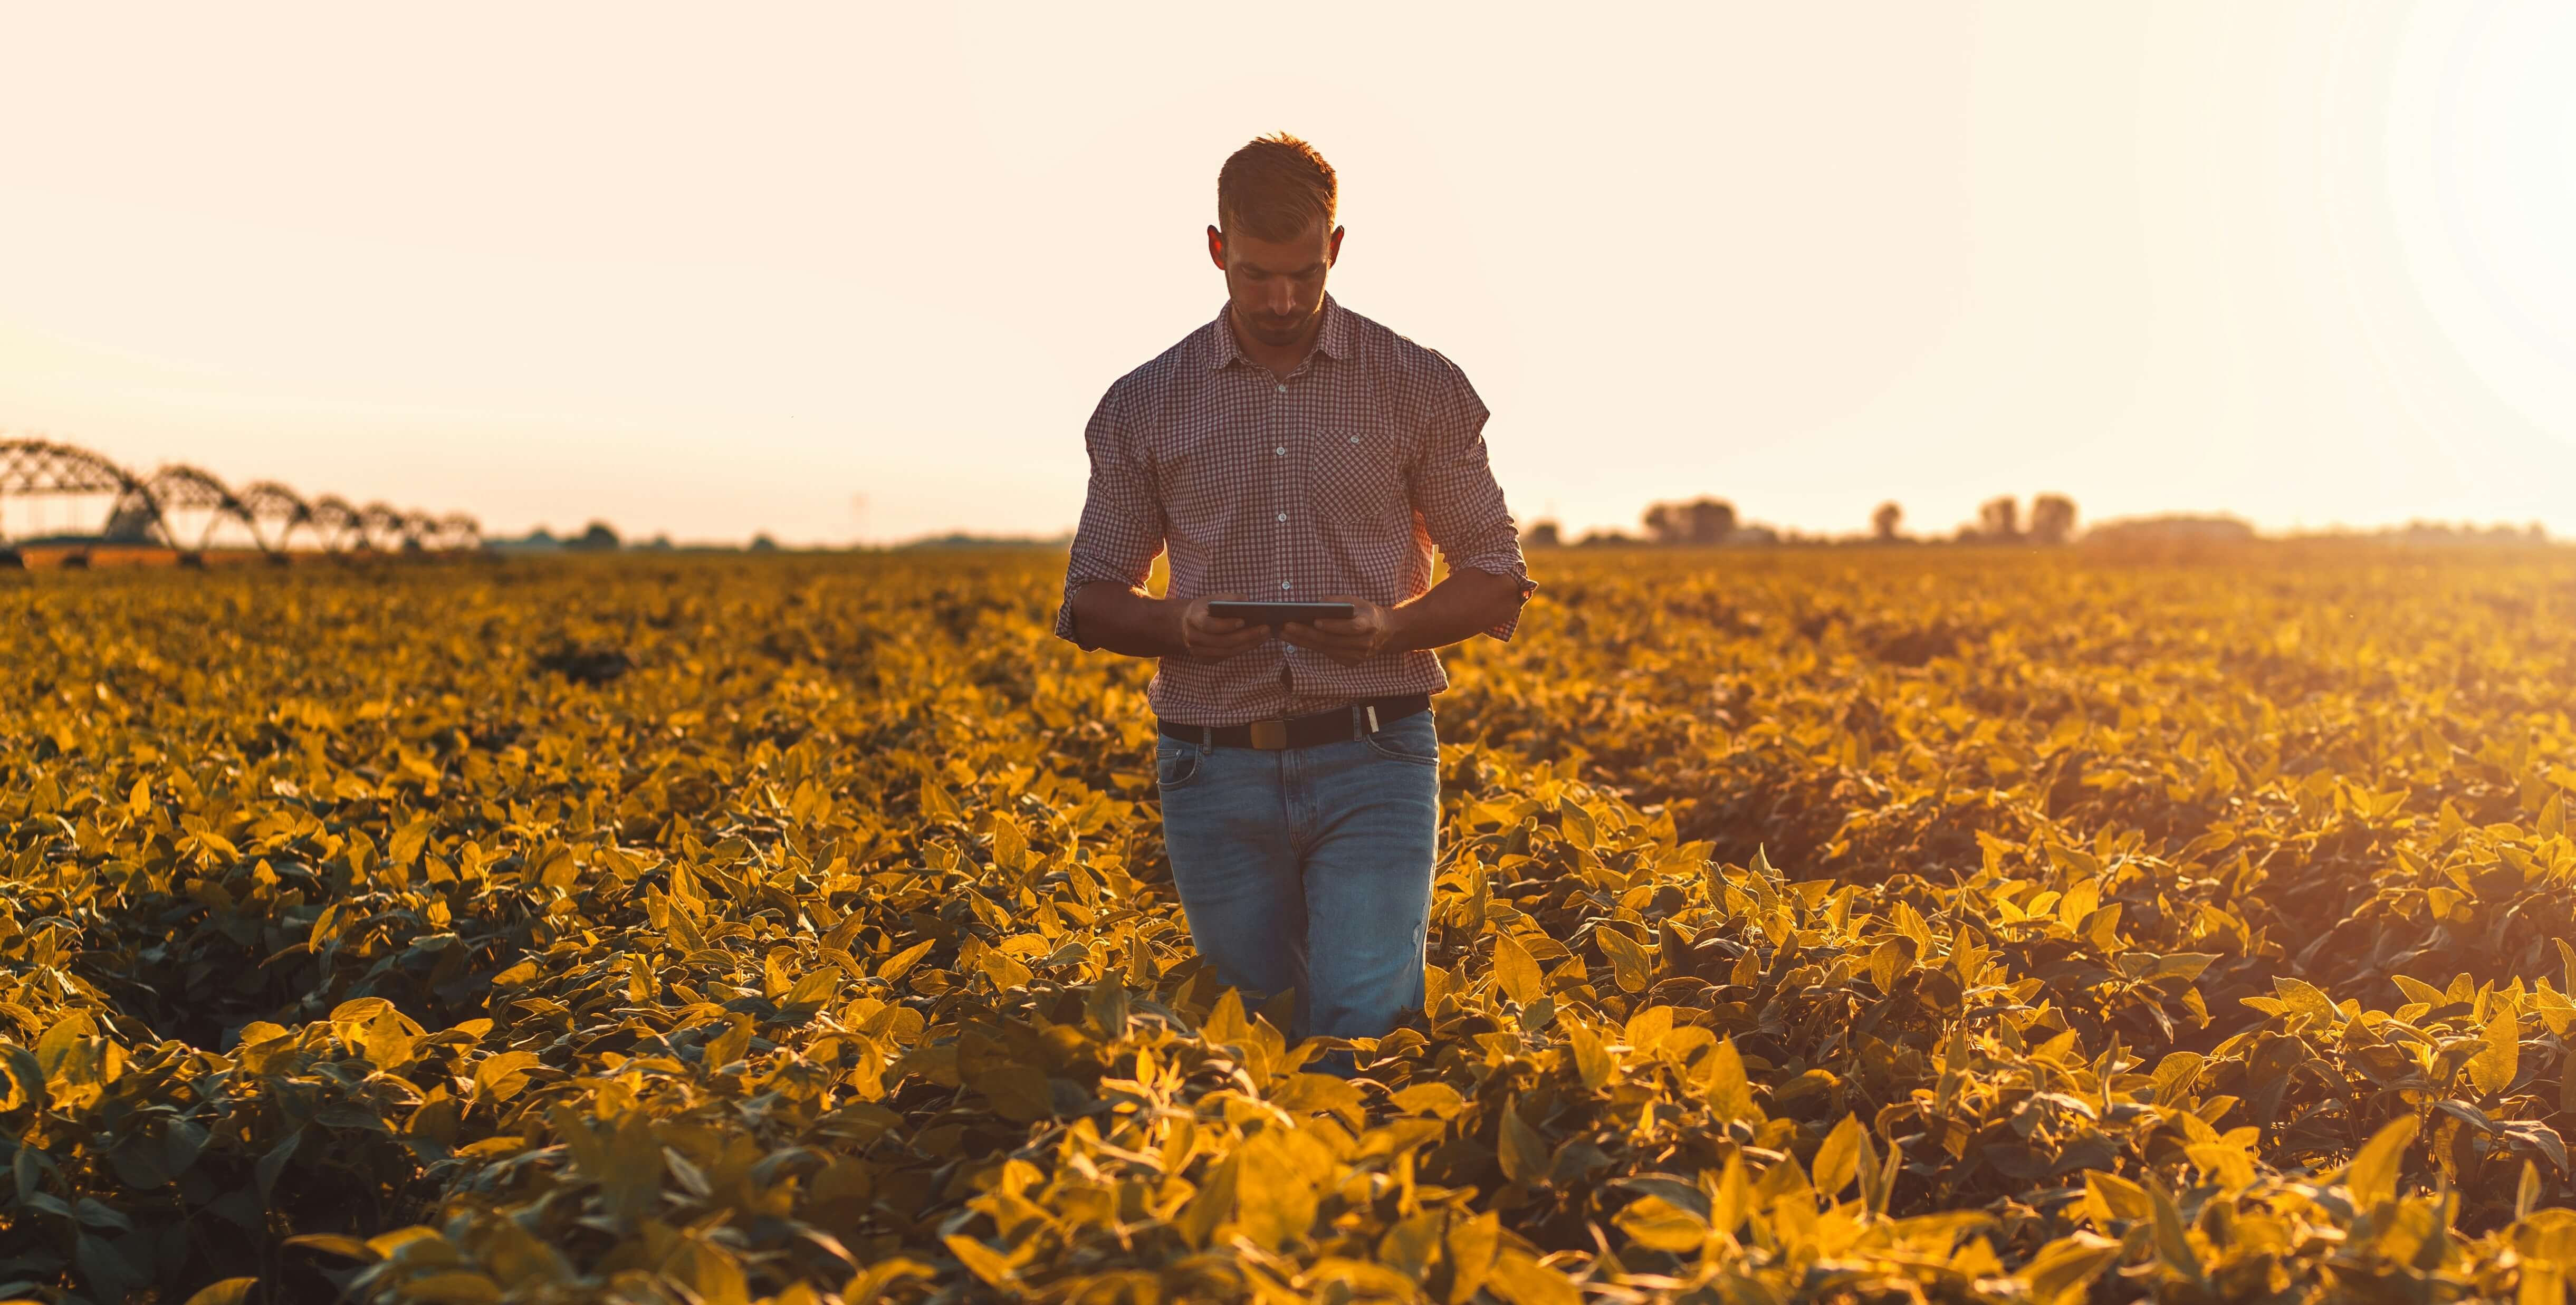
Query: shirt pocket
{"points": [[1357, 477]]}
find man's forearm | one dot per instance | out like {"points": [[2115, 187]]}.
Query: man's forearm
{"points": [[1127, 621], [1467, 602]]}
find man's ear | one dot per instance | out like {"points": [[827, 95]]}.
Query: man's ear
{"points": [[1216, 246], [1333, 254]]}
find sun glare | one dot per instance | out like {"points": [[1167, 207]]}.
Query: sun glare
{"points": [[2481, 175]]}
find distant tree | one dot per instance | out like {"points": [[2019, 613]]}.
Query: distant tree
{"points": [[598, 537], [2052, 519], [1710, 520], [1699, 521], [762, 543], [1663, 525], [1542, 534], [1884, 521], [1999, 519]]}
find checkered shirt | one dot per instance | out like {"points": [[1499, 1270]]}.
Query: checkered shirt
{"points": [[1338, 479]]}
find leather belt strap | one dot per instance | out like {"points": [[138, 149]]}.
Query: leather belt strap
{"points": [[1332, 725]]}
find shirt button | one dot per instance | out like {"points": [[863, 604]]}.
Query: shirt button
{"points": [[1283, 584], [1282, 450], [1283, 516], [1283, 389], [1355, 439]]}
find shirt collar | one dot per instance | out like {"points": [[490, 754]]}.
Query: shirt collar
{"points": [[1334, 340]]}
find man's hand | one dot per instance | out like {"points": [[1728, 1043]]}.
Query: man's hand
{"points": [[1370, 631], [1215, 638]]}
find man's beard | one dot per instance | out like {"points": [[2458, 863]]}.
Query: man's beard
{"points": [[1268, 333]]}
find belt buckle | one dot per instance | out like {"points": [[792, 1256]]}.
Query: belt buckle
{"points": [[1271, 734]]}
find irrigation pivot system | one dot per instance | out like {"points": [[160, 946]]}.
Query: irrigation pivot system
{"points": [[189, 512]]}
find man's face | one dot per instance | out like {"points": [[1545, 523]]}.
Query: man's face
{"points": [[1277, 285]]}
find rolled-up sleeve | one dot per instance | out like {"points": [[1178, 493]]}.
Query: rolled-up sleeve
{"points": [[1122, 522], [1461, 504]]}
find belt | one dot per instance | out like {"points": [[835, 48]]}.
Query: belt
{"points": [[1332, 725]]}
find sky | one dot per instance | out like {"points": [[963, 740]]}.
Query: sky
{"points": [[860, 273]]}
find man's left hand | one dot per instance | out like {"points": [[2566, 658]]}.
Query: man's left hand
{"points": [[1370, 630]]}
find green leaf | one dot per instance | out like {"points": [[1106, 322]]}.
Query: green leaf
{"points": [[1515, 971], [874, 1279], [406, 843], [54, 1050], [274, 1163], [25, 1078], [2307, 1001], [501, 1076], [2175, 1076], [1018, 1092], [2173, 1241], [1838, 1159], [230, 1291], [1890, 960], [2117, 1197], [1591, 1059], [902, 961], [1734, 1200], [1472, 1245], [981, 1260], [1656, 1222], [1724, 1086], [818, 986], [90, 1212], [2065, 1267], [1523, 1153], [2372, 1175], [1010, 845], [1631, 965], [1524, 1281], [1274, 1193], [2492, 1070], [1213, 1205]]}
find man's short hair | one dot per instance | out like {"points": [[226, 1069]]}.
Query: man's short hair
{"points": [[1275, 188]]}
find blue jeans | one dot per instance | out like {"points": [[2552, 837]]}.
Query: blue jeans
{"points": [[1310, 868]]}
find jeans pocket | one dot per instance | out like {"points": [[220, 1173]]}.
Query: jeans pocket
{"points": [[1176, 764], [1412, 740]]}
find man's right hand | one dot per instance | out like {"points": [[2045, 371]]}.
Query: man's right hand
{"points": [[1214, 638]]}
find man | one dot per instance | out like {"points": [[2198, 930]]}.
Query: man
{"points": [[1295, 450]]}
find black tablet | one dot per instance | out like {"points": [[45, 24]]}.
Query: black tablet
{"points": [[1282, 613]]}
